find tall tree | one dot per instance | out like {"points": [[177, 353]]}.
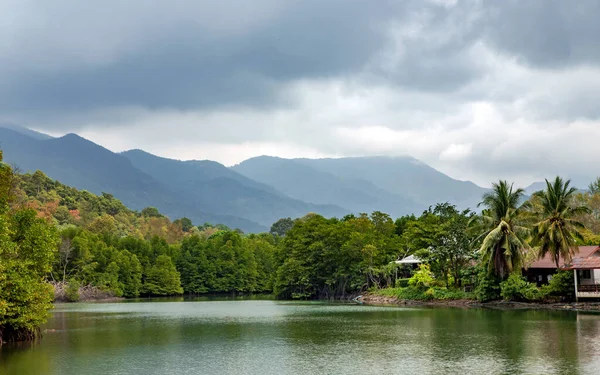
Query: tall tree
{"points": [[282, 226], [503, 238], [558, 230], [594, 187], [27, 247]]}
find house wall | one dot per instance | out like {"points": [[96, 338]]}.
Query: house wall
{"points": [[594, 277], [539, 276]]}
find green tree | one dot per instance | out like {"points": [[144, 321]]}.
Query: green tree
{"points": [[503, 238], [163, 278], [27, 248], [558, 231], [186, 224], [281, 226], [594, 187], [151, 212]]}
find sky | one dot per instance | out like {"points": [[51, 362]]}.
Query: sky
{"points": [[480, 90]]}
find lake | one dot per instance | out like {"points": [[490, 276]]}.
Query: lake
{"points": [[277, 337]]}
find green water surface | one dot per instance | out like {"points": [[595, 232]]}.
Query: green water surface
{"points": [[272, 337]]}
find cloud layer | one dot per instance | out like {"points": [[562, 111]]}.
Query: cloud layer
{"points": [[478, 89]]}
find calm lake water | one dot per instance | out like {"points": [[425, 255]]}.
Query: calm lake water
{"points": [[272, 337]]}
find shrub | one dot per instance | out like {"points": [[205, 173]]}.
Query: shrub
{"points": [[414, 294], [488, 288], [562, 284], [402, 283], [422, 279], [72, 291], [516, 288]]}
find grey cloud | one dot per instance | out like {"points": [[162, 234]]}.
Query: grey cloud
{"points": [[187, 66], [545, 33]]}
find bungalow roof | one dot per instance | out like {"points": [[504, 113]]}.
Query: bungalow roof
{"points": [[548, 262]]}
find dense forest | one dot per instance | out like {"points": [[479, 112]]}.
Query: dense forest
{"points": [[89, 246]]}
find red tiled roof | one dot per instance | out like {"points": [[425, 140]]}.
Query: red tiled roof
{"points": [[548, 261], [584, 263]]}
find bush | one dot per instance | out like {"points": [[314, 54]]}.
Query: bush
{"points": [[415, 294], [422, 279], [516, 288], [402, 283], [72, 291], [488, 288], [562, 284]]}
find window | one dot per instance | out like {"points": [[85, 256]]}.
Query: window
{"points": [[586, 274]]}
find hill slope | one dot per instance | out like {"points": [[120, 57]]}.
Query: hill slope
{"points": [[394, 185], [220, 189], [303, 181], [82, 164], [404, 176]]}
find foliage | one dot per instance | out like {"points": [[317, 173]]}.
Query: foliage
{"points": [[282, 226], [72, 291], [162, 278], [445, 243], [402, 283], [416, 294], [326, 258], [27, 248], [562, 284], [502, 235], [422, 279], [594, 186], [488, 288], [558, 232], [516, 288]]}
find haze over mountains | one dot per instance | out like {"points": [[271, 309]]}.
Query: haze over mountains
{"points": [[251, 195]]}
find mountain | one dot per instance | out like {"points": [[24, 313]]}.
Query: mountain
{"points": [[25, 131], [405, 176], [83, 164], [251, 195], [219, 189], [397, 185], [302, 181]]}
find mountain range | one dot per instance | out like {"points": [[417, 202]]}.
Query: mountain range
{"points": [[251, 195]]}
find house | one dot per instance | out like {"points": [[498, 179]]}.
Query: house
{"points": [[585, 266], [409, 263], [586, 274], [410, 260], [540, 272]]}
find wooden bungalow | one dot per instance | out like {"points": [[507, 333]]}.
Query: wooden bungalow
{"points": [[585, 266]]}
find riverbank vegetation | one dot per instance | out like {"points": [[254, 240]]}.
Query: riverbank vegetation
{"points": [[90, 246]]}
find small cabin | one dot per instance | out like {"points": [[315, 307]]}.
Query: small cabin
{"points": [[540, 272]]}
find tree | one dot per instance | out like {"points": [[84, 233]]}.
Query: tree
{"points": [[504, 239], [282, 226], [186, 224], [594, 187], [558, 231], [27, 248], [163, 278], [151, 212]]}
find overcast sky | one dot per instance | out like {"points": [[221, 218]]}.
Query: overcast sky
{"points": [[480, 90]]}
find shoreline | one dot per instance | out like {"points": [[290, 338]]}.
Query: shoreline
{"points": [[376, 300]]}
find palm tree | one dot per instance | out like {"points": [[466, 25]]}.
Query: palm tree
{"points": [[503, 239], [558, 231]]}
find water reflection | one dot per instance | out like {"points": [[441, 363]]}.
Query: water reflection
{"points": [[271, 337]]}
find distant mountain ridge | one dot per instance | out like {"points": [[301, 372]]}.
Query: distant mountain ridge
{"points": [[251, 195], [397, 185]]}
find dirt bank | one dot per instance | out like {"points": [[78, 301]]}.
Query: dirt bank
{"points": [[372, 299]]}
